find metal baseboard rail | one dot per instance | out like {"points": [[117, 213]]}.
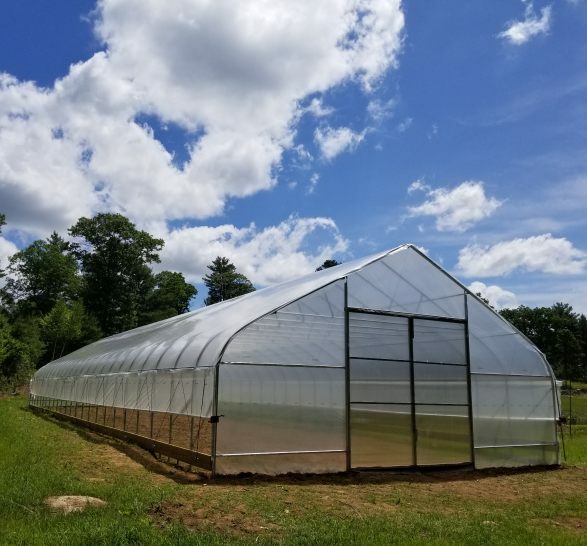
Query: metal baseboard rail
{"points": [[201, 460]]}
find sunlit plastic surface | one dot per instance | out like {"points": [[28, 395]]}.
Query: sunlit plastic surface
{"points": [[496, 347], [378, 336], [441, 342], [381, 435], [404, 281], [512, 410], [268, 409], [443, 435], [440, 384], [309, 331], [516, 456], [380, 381]]}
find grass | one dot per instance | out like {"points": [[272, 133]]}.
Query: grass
{"points": [[575, 407], [40, 457]]}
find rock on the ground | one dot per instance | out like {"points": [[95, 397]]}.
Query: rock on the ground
{"points": [[73, 503]]}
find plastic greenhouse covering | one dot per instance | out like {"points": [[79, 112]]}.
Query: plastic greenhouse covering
{"points": [[383, 362]]}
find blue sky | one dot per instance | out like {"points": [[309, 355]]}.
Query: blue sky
{"points": [[281, 136]]}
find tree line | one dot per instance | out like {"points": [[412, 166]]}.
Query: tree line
{"points": [[59, 295]]}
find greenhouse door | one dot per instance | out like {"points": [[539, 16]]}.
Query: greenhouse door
{"points": [[409, 391]]}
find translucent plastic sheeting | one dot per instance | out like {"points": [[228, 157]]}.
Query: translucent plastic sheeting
{"points": [[512, 410], [381, 435], [269, 409], [377, 381], [436, 341], [440, 384], [405, 281], [309, 331], [516, 456], [378, 336], [496, 347], [188, 392], [443, 435], [197, 339]]}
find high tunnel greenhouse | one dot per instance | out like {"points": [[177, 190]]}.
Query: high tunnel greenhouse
{"points": [[383, 362]]}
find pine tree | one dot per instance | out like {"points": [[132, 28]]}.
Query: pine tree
{"points": [[225, 282]]}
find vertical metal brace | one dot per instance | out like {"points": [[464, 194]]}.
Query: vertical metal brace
{"points": [[413, 393], [171, 394], [469, 394], [347, 374], [557, 412], [214, 422]]}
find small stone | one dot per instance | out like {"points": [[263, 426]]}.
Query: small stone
{"points": [[73, 503]]}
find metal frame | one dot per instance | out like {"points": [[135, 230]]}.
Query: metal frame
{"points": [[347, 374], [405, 315], [200, 460], [469, 390]]}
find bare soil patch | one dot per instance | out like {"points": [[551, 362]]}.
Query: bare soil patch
{"points": [[239, 521]]}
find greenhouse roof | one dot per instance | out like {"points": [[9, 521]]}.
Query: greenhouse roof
{"points": [[196, 338]]}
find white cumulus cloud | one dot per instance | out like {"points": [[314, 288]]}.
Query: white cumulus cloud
{"points": [[543, 253], [497, 296], [455, 209], [274, 254], [519, 32], [232, 75], [333, 142]]}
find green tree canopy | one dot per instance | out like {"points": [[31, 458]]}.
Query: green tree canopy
{"points": [[66, 327], [42, 274], [225, 282], [114, 257], [327, 264], [16, 366], [170, 296]]}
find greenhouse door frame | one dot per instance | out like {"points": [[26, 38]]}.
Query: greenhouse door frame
{"points": [[413, 462]]}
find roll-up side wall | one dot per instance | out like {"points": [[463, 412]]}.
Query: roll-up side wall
{"points": [[171, 407]]}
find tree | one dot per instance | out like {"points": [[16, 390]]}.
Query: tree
{"points": [[114, 257], [62, 327], [42, 274], [327, 264], [225, 282], [171, 296], [16, 367]]}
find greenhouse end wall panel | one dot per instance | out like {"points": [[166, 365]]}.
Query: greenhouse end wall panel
{"points": [[384, 362]]}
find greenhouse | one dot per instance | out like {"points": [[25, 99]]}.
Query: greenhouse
{"points": [[383, 362]]}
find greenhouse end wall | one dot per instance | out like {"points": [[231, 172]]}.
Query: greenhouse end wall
{"points": [[383, 362]]}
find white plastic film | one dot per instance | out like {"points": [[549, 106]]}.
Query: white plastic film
{"points": [[496, 347], [308, 331], [512, 410], [404, 281], [374, 336], [277, 409]]}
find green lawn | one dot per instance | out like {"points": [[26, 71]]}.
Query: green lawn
{"points": [[40, 457]]}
